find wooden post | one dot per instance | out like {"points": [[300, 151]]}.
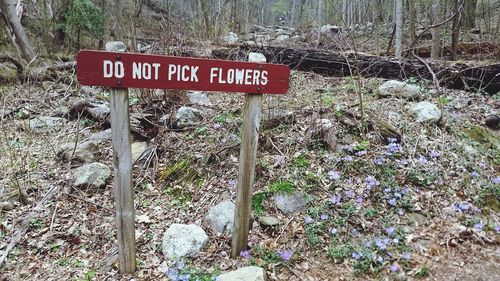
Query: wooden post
{"points": [[124, 193], [252, 112]]}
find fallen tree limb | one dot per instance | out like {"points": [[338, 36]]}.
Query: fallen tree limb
{"points": [[456, 76]]}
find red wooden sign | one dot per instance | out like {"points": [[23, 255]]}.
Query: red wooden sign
{"points": [[129, 70]]}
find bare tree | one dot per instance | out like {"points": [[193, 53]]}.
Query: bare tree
{"points": [[398, 40], [435, 31], [13, 21], [455, 30]]}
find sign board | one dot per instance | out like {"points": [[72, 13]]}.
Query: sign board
{"points": [[129, 70]]}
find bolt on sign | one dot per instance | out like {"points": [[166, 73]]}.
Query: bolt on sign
{"points": [[127, 70], [120, 71]]}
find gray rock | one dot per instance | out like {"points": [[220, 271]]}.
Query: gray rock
{"points": [[199, 98], [231, 37], [256, 57], [85, 151], [182, 240], [282, 38], [269, 221], [248, 273], [328, 28], [398, 89], [289, 203], [221, 217], [93, 174], [187, 116], [101, 136], [425, 112], [138, 149], [493, 121], [274, 117], [45, 124], [116, 46], [459, 103]]}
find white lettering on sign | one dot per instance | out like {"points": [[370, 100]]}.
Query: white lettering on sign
{"points": [[111, 69], [238, 76], [186, 73], [145, 70]]}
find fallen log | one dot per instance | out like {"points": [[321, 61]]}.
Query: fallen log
{"points": [[456, 75]]}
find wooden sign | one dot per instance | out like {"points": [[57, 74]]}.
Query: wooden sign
{"points": [[128, 70]]}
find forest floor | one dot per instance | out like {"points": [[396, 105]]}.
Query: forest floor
{"points": [[423, 207]]}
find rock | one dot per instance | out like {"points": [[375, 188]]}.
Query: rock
{"points": [[89, 90], [182, 240], [6, 206], [425, 112], [221, 217], [230, 38], [115, 46], [99, 111], [248, 273], [328, 28], [93, 174], [269, 221], [85, 151], [187, 116], [398, 89], [138, 149], [273, 117], [199, 98], [282, 38], [45, 124], [492, 122], [289, 203], [101, 136], [459, 103], [256, 57]]}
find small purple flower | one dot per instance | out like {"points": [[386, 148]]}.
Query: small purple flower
{"points": [[401, 212], [389, 230], [387, 190], [333, 231], [394, 268], [286, 255], [232, 182], [379, 161], [308, 219], [380, 259], [346, 147], [435, 154], [335, 199], [393, 147], [392, 201], [422, 159], [184, 277], [474, 174], [354, 232], [392, 140], [348, 158], [245, 255], [406, 256], [359, 200], [482, 165], [361, 153], [172, 274], [349, 194], [333, 175], [181, 265], [464, 206], [217, 126], [371, 182], [280, 160], [478, 226], [357, 255], [496, 180], [382, 243], [497, 228], [324, 217], [395, 241]]}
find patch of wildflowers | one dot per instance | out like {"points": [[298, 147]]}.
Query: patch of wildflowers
{"points": [[379, 161], [434, 154], [357, 255], [286, 255], [406, 256], [478, 226], [496, 180], [394, 268], [422, 159], [324, 217], [389, 230], [474, 174], [308, 219], [335, 199], [371, 182], [333, 175]]}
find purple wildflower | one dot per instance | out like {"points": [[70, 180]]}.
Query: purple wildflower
{"points": [[371, 181], [496, 180], [361, 153], [349, 194], [324, 217], [394, 268], [217, 126], [401, 212], [497, 228], [474, 174], [180, 265], [348, 158], [392, 140], [406, 256], [232, 182], [422, 159], [286, 255], [184, 277], [482, 165], [354, 232], [389, 230], [333, 231], [346, 147], [478, 226], [172, 274], [395, 241], [435, 154], [392, 201], [380, 259], [245, 255], [335, 199], [359, 200], [393, 147], [308, 219], [357, 255], [379, 161], [280, 160], [333, 175], [382, 243], [387, 190]]}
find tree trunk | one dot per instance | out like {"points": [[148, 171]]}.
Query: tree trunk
{"points": [[206, 17], [436, 38], [398, 40], [61, 18], [455, 30], [412, 15], [13, 21], [470, 13]]}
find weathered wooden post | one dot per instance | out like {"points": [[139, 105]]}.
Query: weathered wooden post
{"points": [[122, 155], [252, 111]]}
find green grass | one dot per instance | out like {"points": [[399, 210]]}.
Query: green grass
{"points": [[282, 187]]}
